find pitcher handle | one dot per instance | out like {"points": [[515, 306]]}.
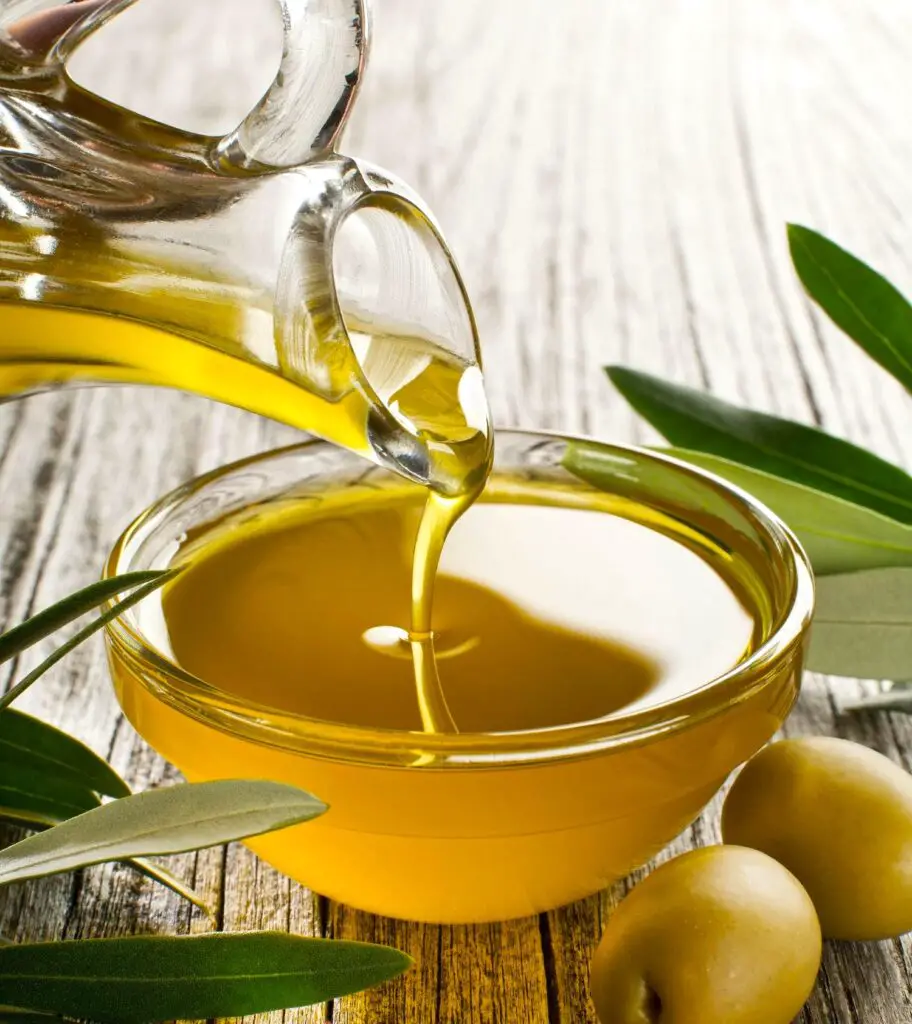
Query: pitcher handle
{"points": [[302, 114], [305, 110], [412, 282]]}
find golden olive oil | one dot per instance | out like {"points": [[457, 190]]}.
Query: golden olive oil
{"points": [[550, 611], [543, 615]]}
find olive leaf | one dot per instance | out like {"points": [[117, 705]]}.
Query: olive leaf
{"points": [[863, 624], [33, 797], [164, 821], [47, 777], [863, 619], [18, 639], [109, 615], [857, 299], [149, 978], [29, 742], [696, 421], [837, 535], [38, 807]]}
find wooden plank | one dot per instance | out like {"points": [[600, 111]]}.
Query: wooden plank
{"points": [[614, 179]]}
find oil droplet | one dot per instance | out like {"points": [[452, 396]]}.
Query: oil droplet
{"points": [[396, 642], [390, 640]]}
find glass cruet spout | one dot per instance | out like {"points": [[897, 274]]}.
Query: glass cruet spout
{"points": [[264, 268]]}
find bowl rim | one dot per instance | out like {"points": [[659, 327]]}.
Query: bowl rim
{"points": [[300, 734]]}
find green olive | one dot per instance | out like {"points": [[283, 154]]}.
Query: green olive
{"points": [[722, 935], [839, 817]]}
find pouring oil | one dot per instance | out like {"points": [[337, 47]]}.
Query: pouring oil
{"points": [[436, 398]]}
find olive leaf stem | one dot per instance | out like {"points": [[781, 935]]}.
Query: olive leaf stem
{"points": [[163, 876], [887, 701], [108, 616], [156, 872], [13, 1015], [173, 819]]}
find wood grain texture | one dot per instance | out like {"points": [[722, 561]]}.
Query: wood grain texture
{"points": [[615, 179]]}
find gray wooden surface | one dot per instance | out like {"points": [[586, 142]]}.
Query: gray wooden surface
{"points": [[614, 176]]}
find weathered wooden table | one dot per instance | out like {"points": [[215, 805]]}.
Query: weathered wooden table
{"points": [[615, 179]]}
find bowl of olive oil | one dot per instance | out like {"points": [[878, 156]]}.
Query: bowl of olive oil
{"points": [[613, 633]]}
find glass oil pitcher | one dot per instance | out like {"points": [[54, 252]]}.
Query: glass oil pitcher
{"points": [[263, 269]]}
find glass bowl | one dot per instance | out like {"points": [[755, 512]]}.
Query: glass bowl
{"points": [[477, 826]]}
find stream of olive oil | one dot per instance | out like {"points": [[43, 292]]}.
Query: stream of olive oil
{"points": [[435, 396]]}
